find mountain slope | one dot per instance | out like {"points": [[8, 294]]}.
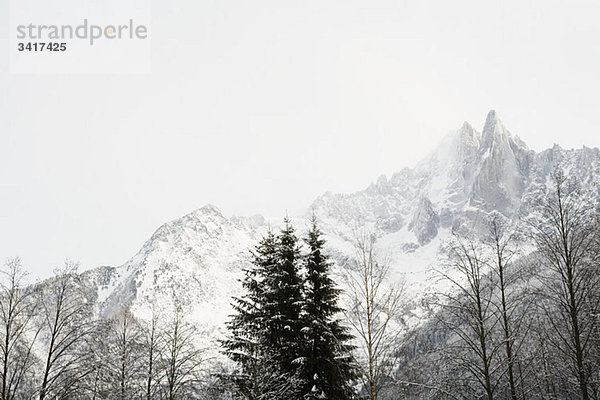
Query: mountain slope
{"points": [[198, 259]]}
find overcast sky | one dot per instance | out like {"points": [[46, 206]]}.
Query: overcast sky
{"points": [[260, 106]]}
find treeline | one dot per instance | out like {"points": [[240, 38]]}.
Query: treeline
{"points": [[518, 318], [289, 337], [54, 346]]}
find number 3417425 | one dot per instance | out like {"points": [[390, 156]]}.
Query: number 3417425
{"points": [[41, 46]]}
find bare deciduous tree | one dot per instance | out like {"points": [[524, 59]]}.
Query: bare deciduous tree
{"points": [[181, 358], [503, 254], [17, 306], [125, 355], [511, 305], [65, 313], [567, 239], [153, 345], [374, 311], [468, 312]]}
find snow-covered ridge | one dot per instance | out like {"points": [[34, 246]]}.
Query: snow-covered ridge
{"points": [[198, 258]]}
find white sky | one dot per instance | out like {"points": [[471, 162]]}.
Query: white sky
{"points": [[260, 106]]}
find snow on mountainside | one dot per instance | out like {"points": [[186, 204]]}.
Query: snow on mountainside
{"points": [[195, 260], [198, 259]]}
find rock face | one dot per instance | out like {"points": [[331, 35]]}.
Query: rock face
{"points": [[504, 171], [425, 222], [468, 175], [197, 260]]}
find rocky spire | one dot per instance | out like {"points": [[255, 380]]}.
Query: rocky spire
{"points": [[492, 130]]}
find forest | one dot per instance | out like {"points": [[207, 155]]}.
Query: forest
{"points": [[519, 318]]}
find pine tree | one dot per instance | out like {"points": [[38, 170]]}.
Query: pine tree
{"points": [[327, 369], [247, 324], [283, 296], [284, 334], [246, 345], [266, 330]]}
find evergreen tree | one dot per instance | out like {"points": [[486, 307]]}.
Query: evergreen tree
{"points": [[283, 296], [327, 371], [284, 334], [247, 324], [246, 345]]}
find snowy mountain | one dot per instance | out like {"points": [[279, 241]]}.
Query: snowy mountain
{"points": [[198, 258]]}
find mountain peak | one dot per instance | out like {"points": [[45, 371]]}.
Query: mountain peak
{"points": [[491, 115], [208, 209], [468, 134], [466, 127], [492, 129]]}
